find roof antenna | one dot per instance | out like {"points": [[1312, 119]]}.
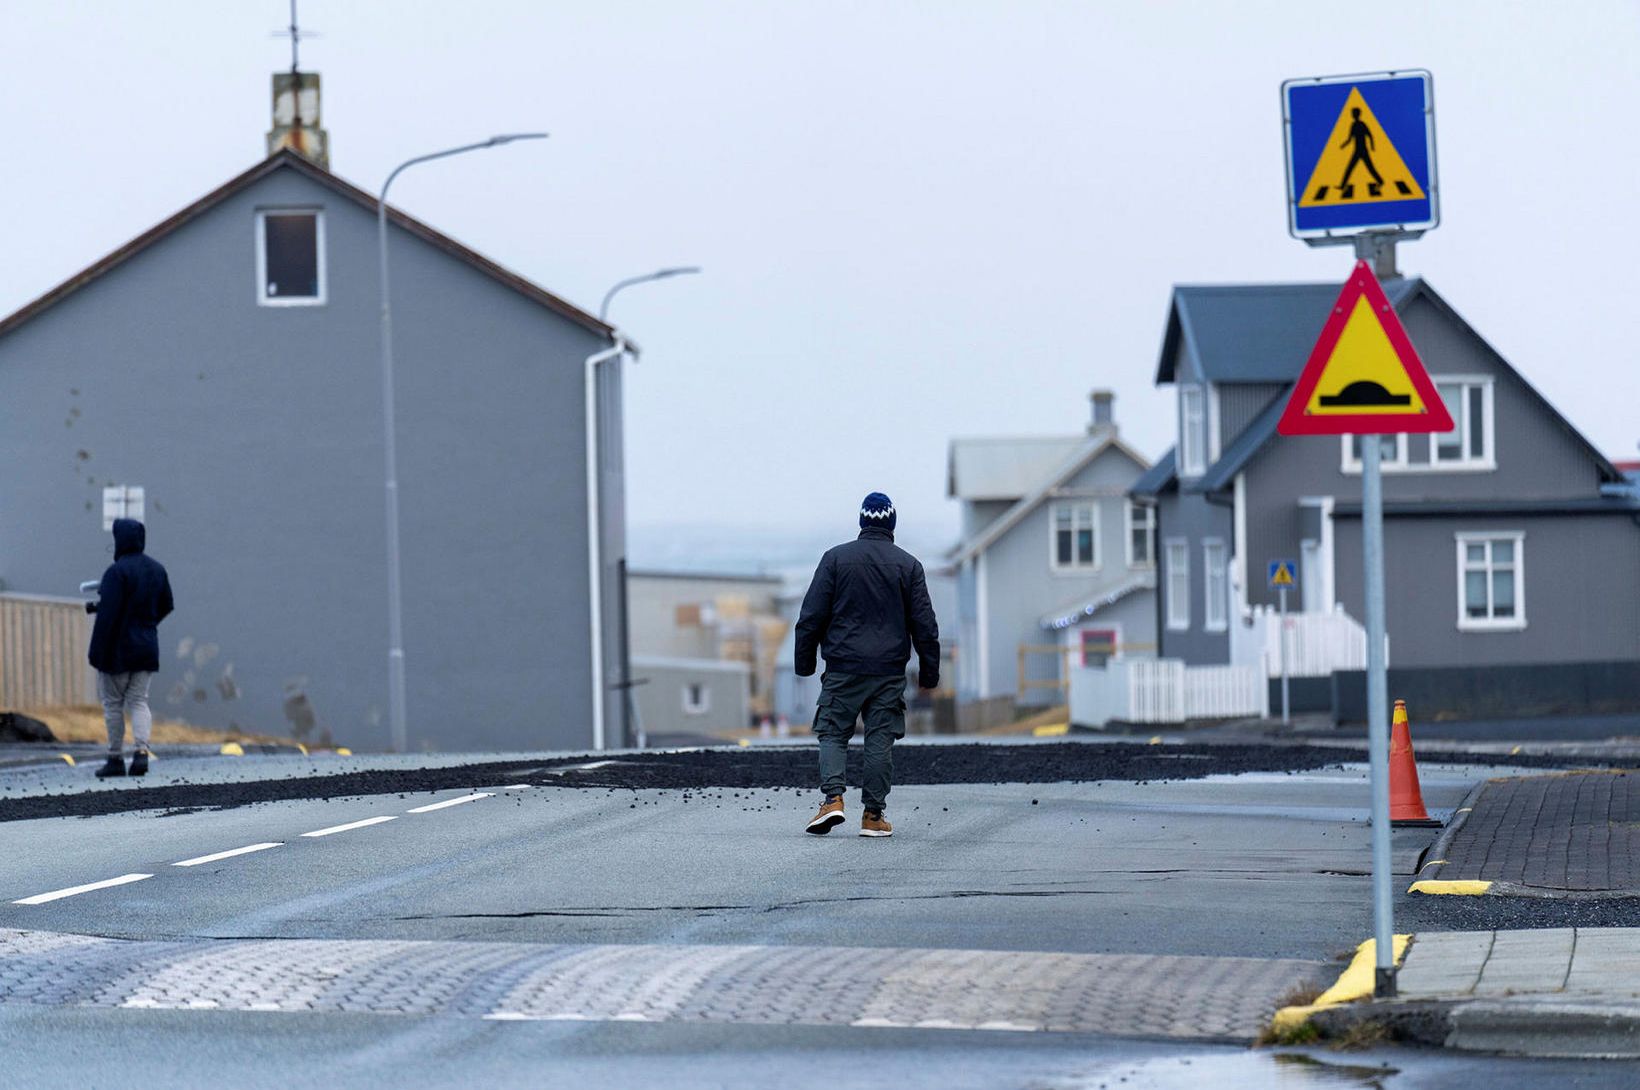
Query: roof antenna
{"points": [[296, 34], [294, 132]]}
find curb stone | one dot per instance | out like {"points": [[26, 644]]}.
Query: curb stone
{"points": [[1526, 1026]]}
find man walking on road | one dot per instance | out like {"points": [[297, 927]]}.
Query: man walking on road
{"points": [[133, 598], [865, 610]]}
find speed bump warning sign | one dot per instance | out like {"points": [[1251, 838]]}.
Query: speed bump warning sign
{"points": [[1363, 377]]}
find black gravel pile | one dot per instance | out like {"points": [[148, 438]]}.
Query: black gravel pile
{"points": [[775, 766]]}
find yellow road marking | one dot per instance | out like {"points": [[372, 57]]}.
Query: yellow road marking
{"points": [[1355, 982], [1459, 886]]}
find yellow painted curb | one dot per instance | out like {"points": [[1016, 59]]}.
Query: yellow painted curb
{"points": [[1052, 730], [1355, 982], [232, 749], [1461, 886], [68, 759], [745, 741], [303, 748], [1155, 740], [343, 751]]}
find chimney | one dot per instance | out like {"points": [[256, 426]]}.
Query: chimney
{"points": [[296, 117], [1104, 417]]}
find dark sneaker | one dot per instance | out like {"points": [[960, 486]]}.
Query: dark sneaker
{"points": [[139, 765], [872, 824], [114, 767], [830, 816]]}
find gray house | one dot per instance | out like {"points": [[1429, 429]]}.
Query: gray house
{"points": [[217, 376], [1513, 562], [1056, 566]]}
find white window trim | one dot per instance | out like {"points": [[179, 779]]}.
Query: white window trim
{"points": [[1073, 568], [1177, 606], [261, 270], [1210, 622], [1488, 461], [1351, 465], [1188, 466], [1129, 525], [1212, 399], [1467, 623], [705, 704]]}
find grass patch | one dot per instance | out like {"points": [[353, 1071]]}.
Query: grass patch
{"points": [[1364, 1033]]}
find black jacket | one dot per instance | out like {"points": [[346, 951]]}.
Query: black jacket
{"points": [[135, 596], [867, 606]]}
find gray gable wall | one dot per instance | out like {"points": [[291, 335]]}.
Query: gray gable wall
{"points": [[256, 432]]}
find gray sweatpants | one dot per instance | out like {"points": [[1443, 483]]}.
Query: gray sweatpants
{"points": [[122, 693]]}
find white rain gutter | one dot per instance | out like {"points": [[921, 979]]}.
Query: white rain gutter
{"points": [[595, 583]]}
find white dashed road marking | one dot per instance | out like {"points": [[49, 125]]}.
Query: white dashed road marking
{"points": [[249, 848], [73, 891], [352, 825], [447, 802]]}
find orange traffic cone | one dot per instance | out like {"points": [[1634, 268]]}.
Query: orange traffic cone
{"points": [[1406, 801]]}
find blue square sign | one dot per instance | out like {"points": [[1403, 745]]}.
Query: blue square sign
{"points": [[1360, 154]]}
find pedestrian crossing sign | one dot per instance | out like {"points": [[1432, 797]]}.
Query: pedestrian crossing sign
{"points": [[1363, 376], [1360, 154], [1282, 574]]}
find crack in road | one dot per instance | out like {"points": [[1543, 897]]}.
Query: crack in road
{"points": [[779, 906]]}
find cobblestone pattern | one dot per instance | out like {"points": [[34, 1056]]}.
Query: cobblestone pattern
{"points": [[1569, 832], [1117, 994]]}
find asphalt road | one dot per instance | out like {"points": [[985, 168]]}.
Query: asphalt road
{"points": [[1256, 865]]}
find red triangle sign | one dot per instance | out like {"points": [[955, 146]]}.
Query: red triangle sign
{"points": [[1363, 377]]}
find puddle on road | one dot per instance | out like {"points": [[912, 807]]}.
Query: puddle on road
{"points": [[1253, 1070]]}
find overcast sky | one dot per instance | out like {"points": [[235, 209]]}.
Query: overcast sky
{"points": [[918, 220]]}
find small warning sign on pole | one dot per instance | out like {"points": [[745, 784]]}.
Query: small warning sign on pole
{"points": [[1283, 575]]}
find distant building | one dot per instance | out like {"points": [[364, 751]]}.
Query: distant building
{"points": [[1513, 546], [1056, 566], [217, 377]]}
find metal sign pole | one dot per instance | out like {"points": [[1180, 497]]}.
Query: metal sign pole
{"points": [[1286, 704], [1372, 535]]}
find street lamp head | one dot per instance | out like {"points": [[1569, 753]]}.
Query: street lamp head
{"points": [[507, 138], [675, 270]]}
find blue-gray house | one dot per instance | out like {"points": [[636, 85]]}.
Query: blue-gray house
{"points": [[218, 377], [1513, 552]]}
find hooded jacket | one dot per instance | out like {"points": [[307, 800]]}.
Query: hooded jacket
{"points": [[134, 597], [865, 610]]}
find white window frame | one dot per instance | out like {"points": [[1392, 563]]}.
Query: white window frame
{"points": [[1467, 623], [1192, 433], [1461, 418], [1215, 585], [262, 298], [1076, 506], [1175, 601], [1398, 464], [1130, 524], [123, 501], [694, 707]]}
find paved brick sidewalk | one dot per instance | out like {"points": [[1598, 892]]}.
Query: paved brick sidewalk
{"points": [[1575, 833], [1118, 994]]}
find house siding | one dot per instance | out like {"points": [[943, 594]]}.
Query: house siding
{"points": [[1190, 516], [256, 432]]}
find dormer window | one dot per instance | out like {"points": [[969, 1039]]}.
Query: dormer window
{"points": [[290, 257], [1192, 431]]}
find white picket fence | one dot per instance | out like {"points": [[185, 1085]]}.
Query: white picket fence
{"points": [[1317, 643], [1165, 691]]}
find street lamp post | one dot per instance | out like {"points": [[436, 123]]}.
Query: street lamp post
{"points": [[395, 622], [594, 513]]}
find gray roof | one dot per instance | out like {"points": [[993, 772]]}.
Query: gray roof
{"points": [[1245, 350], [1088, 605], [1155, 480], [1005, 469], [1251, 332]]}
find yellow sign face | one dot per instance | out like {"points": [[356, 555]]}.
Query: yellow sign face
{"points": [[1283, 576], [1364, 376], [1360, 164]]}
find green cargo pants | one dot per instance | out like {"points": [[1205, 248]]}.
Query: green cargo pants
{"points": [[881, 701]]}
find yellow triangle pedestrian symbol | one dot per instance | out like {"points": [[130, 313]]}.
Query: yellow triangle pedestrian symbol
{"points": [[1283, 576], [1360, 164]]}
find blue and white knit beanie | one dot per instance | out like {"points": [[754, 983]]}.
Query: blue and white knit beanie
{"points": [[877, 510]]}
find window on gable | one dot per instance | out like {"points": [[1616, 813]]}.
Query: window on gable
{"points": [[1075, 536], [1215, 586], [1469, 443], [1192, 431], [1491, 581], [122, 501], [290, 257], [1141, 535], [697, 698], [1394, 449], [1177, 588]]}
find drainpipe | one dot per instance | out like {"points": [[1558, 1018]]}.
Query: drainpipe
{"points": [[595, 582]]}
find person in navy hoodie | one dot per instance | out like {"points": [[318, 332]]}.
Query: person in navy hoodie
{"points": [[133, 598]]}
